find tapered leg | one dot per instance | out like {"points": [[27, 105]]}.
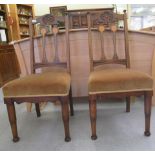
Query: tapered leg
{"points": [[92, 110], [71, 103], [147, 111], [128, 101], [37, 109], [65, 117], [12, 120]]}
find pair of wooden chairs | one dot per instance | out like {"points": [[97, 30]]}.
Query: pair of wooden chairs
{"points": [[102, 83]]}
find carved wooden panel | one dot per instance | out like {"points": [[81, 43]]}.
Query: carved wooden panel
{"points": [[106, 18]]}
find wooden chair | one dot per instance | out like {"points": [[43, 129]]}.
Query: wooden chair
{"points": [[123, 82], [45, 86]]}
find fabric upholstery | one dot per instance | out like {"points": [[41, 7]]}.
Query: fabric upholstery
{"points": [[45, 84], [118, 80]]}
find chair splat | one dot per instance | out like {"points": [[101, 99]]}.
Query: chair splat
{"points": [[114, 29], [106, 23], [55, 30], [101, 29], [47, 23]]}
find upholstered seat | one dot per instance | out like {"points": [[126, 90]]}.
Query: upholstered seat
{"points": [[46, 84], [118, 80]]}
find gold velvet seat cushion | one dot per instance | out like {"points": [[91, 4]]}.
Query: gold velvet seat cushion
{"points": [[118, 80], [45, 84]]}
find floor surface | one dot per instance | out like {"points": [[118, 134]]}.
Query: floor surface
{"points": [[116, 129]]}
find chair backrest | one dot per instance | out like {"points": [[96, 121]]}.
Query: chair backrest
{"points": [[48, 23], [107, 20]]}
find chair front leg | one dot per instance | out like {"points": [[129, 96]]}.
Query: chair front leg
{"points": [[71, 103], [12, 119], [147, 111], [65, 117], [92, 110]]}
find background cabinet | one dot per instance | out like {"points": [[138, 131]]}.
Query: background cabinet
{"points": [[5, 35], [20, 14]]}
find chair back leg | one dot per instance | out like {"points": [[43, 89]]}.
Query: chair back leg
{"points": [[37, 107], [128, 101]]}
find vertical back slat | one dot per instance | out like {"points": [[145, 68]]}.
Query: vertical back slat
{"points": [[103, 57], [115, 56], [44, 59], [56, 58]]}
